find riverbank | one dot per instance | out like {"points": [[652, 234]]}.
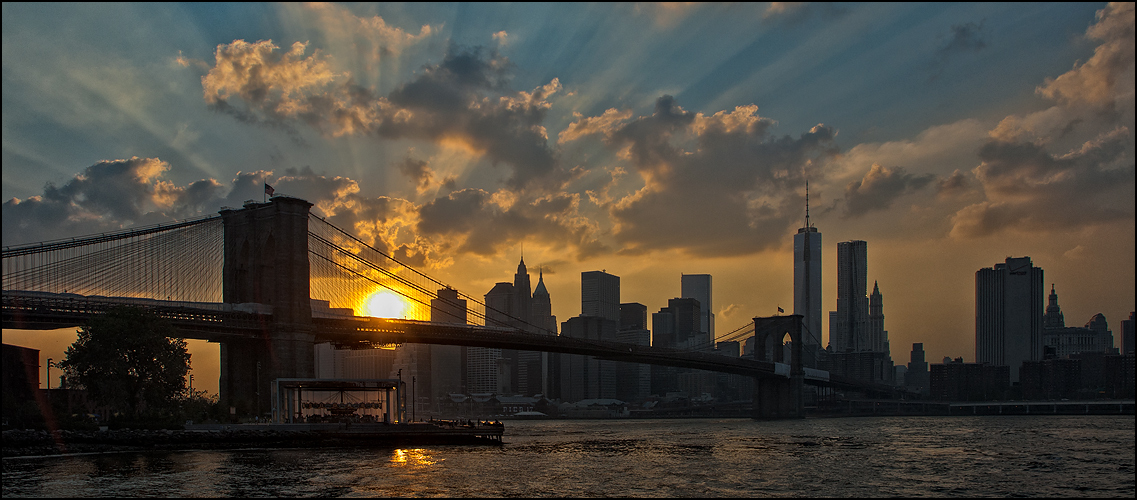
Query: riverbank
{"points": [[18, 443]]}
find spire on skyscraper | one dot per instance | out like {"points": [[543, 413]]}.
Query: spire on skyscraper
{"points": [[540, 290], [807, 203]]}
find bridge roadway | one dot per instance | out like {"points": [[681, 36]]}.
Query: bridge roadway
{"points": [[216, 322]]}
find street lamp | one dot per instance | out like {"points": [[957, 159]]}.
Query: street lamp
{"points": [[49, 374], [414, 402]]}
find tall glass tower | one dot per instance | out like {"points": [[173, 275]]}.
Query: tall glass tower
{"points": [[807, 278], [698, 287], [848, 325]]}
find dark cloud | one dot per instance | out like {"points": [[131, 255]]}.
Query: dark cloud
{"points": [[879, 188], [423, 176], [713, 185], [963, 39], [481, 224], [952, 185], [968, 37], [1030, 189], [462, 100], [106, 196]]}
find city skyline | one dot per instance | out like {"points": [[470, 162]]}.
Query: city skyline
{"points": [[948, 136]]}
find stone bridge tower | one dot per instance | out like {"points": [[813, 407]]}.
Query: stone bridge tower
{"points": [[776, 397], [266, 262]]}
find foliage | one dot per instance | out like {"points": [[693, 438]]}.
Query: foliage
{"points": [[130, 360]]}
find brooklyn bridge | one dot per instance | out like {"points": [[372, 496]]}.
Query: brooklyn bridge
{"points": [[270, 280]]}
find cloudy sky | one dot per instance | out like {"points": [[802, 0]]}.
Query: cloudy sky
{"points": [[647, 140]]}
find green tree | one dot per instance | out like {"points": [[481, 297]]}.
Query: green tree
{"points": [[130, 360]]}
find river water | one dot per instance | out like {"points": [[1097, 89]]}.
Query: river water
{"points": [[1032, 456]]}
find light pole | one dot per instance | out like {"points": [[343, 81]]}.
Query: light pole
{"points": [[49, 374], [414, 402], [401, 397]]}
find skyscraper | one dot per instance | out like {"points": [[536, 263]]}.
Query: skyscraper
{"points": [[485, 372], [600, 295], [698, 287], [848, 325], [1009, 314], [546, 324], [513, 305], [917, 376], [586, 376], [447, 362], [807, 279], [1127, 334], [542, 311], [877, 335]]}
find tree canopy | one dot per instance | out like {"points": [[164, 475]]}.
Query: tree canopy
{"points": [[130, 360]]}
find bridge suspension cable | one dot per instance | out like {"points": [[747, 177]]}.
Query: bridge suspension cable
{"points": [[345, 271], [175, 261]]}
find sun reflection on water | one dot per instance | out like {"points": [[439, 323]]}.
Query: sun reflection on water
{"points": [[413, 458]]}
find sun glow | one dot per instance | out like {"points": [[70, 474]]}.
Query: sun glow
{"points": [[385, 304]]}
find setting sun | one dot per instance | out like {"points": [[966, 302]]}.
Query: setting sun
{"points": [[385, 304]]}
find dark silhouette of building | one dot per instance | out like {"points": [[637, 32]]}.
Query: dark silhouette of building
{"points": [[21, 374], [633, 380], [848, 324], [955, 380], [1067, 340], [512, 371], [600, 295], [585, 377], [807, 285], [1127, 340], [447, 374], [917, 375], [1055, 378], [1009, 314], [1117, 371]]}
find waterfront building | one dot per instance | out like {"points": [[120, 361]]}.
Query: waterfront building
{"points": [[954, 380], [1049, 379], [1009, 314], [698, 287]]}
